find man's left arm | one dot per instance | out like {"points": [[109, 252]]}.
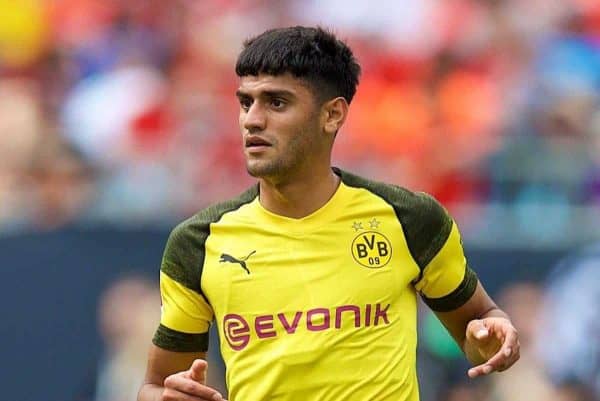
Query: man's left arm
{"points": [[484, 332], [452, 290]]}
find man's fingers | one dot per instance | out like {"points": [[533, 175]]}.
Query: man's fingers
{"points": [[511, 343], [198, 371], [477, 330], [496, 340], [180, 384], [480, 370], [503, 360], [506, 356]]}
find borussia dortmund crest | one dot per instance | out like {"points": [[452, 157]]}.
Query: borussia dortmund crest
{"points": [[371, 249]]}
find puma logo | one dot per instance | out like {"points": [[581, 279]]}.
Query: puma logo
{"points": [[242, 262]]}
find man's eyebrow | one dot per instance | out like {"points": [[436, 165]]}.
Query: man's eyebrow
{"points": [[268, 93], [241, 94]]}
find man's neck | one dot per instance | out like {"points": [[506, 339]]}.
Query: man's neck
{"points": [[299, 197]]}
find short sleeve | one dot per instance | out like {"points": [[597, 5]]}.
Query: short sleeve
{"points": [[185, 312], [444, 279], [185, 318], [447, 282]]}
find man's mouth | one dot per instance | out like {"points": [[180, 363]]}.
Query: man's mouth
{"points": [[254, 141]]}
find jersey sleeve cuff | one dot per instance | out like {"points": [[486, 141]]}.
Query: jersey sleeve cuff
{"points": [[177, 341], [456, 298]]}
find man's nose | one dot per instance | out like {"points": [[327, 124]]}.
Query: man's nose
{"points": [[255, 118]]}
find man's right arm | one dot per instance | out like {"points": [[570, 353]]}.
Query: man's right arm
{"points": [[172, 376], [176, 367]]}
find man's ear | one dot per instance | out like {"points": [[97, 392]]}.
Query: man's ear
{"points": [[334, 114]]}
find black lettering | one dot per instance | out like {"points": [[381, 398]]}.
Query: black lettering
{"points": [[361, 249], [371, 243], [382, 248]]}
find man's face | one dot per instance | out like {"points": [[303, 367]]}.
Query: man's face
{"points": [[279, 121]]}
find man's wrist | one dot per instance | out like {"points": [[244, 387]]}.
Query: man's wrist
{"points": [[494, 312]]}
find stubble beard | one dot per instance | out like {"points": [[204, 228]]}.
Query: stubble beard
{"points": [[286, 162], [264, 168]]}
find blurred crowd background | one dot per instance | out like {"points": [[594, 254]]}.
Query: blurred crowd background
{"points": [[124, 111], [123, 114]]}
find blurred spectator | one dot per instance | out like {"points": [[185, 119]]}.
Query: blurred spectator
{"points": [[492, 107], [525, 381], [127, 316], [60, 183], [442, 366], [21, 128], [569, 339], [528, 382]]}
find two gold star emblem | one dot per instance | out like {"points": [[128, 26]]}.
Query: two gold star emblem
{"points": [[373, 224]]}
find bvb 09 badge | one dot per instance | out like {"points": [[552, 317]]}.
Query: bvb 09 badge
{"points": [[371, 248]]}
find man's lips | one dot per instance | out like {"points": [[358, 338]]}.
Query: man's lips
{"points": [[254, 141]]}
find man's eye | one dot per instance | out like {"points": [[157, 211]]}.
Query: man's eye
{"points": [[245, 104], [277, 103]]}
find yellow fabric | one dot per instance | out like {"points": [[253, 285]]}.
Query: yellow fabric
{"points": [[326, 309], [446, 270], [305, 267], [183, 309]]}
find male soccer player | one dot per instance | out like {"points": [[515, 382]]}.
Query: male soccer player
{"points": [[312, 275]]}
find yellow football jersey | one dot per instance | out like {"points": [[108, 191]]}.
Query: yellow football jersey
{"points": [[318, 308]]}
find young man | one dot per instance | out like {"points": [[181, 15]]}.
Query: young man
{"points": [[311, 276]]}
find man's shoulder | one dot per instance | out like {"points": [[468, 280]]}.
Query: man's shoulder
{"points": [[213, 213], [191, 233], [183, 257], [401, 198], [425, 222]]}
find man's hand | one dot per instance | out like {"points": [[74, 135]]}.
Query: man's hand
{"points": [[492, 344], [190, 385]]}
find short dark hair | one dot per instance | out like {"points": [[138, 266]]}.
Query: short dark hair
{"points": [[314, 55]]}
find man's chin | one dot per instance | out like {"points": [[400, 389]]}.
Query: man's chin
{"points": [[253, 173], [262, 170]]}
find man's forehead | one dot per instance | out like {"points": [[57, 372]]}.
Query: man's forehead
{"points": [[256, 84]]}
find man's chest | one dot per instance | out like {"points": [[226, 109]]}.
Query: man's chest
{"points": [[257, 270]]}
